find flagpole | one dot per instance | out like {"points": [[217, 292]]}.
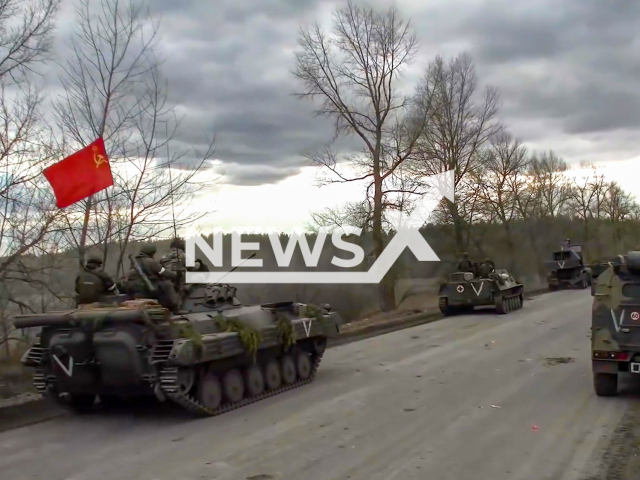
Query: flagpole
{"points": [[85, 228], [87, 211]]}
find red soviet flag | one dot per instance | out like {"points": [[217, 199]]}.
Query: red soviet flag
{"points": [[80, 175]]}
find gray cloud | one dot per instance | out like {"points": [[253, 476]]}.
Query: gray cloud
{"points": [[567, 70]]}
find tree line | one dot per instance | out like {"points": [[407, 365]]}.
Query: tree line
{"points": [[445, 123]]}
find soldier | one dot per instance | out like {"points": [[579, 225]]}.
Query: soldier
{"points": [[199, 266], [566, 245], [465, 265], [486, 268], [92, 283], [174, 261], [158, 275]]}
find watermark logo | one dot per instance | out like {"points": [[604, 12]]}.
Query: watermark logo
{"points": [[407, 236]]}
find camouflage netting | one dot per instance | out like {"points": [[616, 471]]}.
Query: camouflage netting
{"points": [[311, 311], [186, 331], [286, 332], [249, 337]]}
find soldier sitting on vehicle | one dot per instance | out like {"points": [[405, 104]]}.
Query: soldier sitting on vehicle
{"points": [[464, 264], [92, 283], [159, 277], [486, 268], [174, 261]]}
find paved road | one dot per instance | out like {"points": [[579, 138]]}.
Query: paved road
{"points": [[413, 404]]}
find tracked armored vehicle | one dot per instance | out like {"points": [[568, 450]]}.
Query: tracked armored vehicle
{"points": [[464, 291], [213, 356], [615, 324], [567, 269]]}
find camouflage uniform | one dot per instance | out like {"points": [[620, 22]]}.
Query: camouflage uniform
{"points": [[465, 265], [174, 261], [159, 276], [92, 283]]}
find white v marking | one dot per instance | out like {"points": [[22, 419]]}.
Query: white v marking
{"points": [[561, 264], [478, 290], [307, 327], [617, 323], [69, 370]]}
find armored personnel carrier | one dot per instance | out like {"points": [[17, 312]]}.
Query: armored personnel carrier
{"points": [[567, 269], [464, 291], [600, 267], [213, 356], [615, 324]]}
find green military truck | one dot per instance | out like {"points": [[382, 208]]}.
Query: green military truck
{"points": [[615, 324]]}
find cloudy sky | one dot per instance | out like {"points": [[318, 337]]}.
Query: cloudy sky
{"points": [[568, 72]]}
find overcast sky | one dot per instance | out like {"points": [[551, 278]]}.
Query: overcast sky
{"points": [[568, 72]]}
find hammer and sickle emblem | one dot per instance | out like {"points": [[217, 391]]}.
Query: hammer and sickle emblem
{"points": [[97, 158]]}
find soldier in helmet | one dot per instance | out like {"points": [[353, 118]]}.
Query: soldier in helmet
{"points": [[158, 275], [174, 261], [464, 264], [92, 282], [486, 268]]}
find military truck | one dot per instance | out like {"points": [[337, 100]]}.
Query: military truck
{"points": [[213, 356], [615, 324], [464, 291], [567, 269]]}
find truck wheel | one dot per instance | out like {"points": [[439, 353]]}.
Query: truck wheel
{"points": [[605, 384]]}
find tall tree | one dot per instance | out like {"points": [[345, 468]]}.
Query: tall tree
{"points": [[354, 73], [113, 87], [459, 126]]}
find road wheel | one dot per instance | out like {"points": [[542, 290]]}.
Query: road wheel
{"points": [[210, 391], [233, 385], [303, 365], [255, 380], [272, 375], [81, 403], [605, 384], [288, 369]]}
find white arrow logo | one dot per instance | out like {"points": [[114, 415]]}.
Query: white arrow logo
{"points": [[617, 322], [307, 327], [561, 264], [479, 290], [405, 237], [69, 370]]}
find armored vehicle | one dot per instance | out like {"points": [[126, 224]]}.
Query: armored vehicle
{"points": [[567, 269], [615, 324], [464, 291], [213, 356], [600, 267]]}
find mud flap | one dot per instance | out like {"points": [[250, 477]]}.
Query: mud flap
{"points": [[598, 366]]}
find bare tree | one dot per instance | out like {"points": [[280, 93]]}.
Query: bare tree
{"points": [[503, 168], [110, 55], [114, 88], [355, 72], [548, 174], [27, 211], [459, 125]]}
